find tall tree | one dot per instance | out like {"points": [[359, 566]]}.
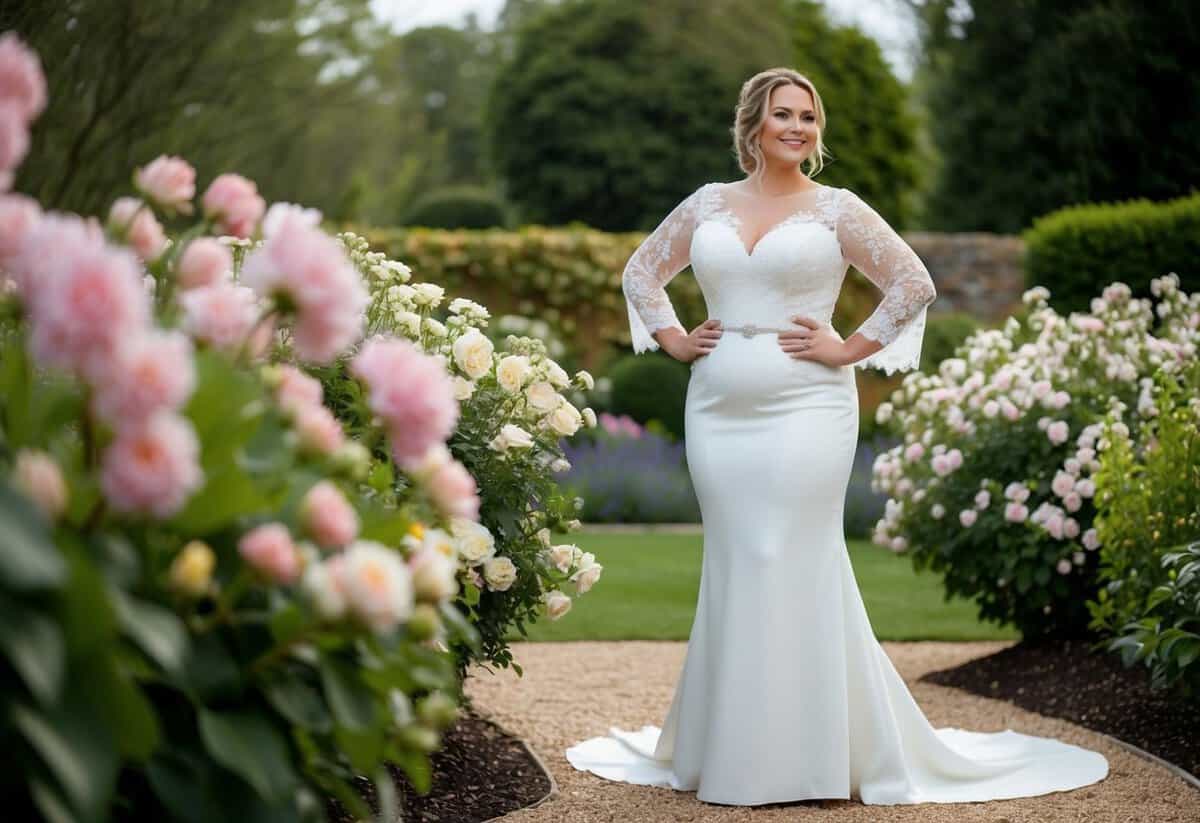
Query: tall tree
{"points": [[1038, 104]]}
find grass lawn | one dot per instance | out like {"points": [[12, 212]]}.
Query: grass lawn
{"points": [[651, 580]]}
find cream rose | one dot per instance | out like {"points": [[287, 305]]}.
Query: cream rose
{"points": [[555, 374], [473, 354], [428, 294], [543, 397], [565, 420], [511, 372], [557, 604], [585, 578], [475, 543], [562, 556], [511, 437], [463, 388], [500, 573]]}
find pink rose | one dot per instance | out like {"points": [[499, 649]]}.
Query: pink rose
{"points": [[18, 215], [151, 371], [269, 550], [1016, 512], [1054, 525], [1062, 484], [14, 138], [1064, 566], [318, 430], [39, 478], [152, 467], [1091, 540], [84, 298], [168, 181], [221, 315], [1058, 432], [454, 491], [205, 262], [307, 272], [1070, 528], [234, 202], [967, 517], [327, 517], [410, 391], [22, 83], [295, 389], [915, 451], [133, 220]]}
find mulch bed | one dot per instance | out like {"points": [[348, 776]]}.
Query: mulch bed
{"points": [[480, 773], [1064, 679]]}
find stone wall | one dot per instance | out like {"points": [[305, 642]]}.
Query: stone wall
{"points": [[975, 272]]}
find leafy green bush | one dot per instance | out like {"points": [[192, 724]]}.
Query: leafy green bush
{"points": [[1148, 505], [650, 386], [944, 333], [458, 207], [1077, 249]]}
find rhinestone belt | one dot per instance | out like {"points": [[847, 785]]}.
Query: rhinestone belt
{"points": [[750, 329]]}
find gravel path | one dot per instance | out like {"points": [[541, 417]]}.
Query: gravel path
{"points": [[572, 691]]}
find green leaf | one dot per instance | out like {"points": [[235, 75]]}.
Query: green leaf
{"points": [[210, 671], [248, 745], [288, 623], [352, 702], [299, 702], [362, 747], [418, 768], [157, 631], [34, 646], [77, 753], [28, 558]]}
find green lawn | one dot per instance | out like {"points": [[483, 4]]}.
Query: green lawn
{"points": [[650, 582]]}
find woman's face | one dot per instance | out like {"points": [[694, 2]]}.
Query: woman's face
{"points": [[789, 134]]}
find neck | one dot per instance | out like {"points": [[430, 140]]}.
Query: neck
{"points": [[778, 181]]}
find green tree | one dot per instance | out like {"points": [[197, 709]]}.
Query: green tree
{"points": [[1039, 104], [597, 119]]}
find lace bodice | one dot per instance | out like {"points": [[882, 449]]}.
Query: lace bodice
{"points": [[796, 266]]}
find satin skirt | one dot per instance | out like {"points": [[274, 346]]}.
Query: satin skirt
{"points": [[785, 693]]}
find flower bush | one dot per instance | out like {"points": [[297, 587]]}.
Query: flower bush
{"points": [[993, 483], [222, 600], [1147, 509], [510, 416]]}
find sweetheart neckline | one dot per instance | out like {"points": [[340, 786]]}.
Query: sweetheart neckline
{"points": [[780, 224]]}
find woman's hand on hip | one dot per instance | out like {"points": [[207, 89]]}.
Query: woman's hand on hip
{"points": [[814, 341], [688, 347]]}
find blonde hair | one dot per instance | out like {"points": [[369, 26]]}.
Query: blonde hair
{"points": [[751, 112]]}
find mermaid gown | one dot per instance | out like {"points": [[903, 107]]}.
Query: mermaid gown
{"points": [[785, 693]]}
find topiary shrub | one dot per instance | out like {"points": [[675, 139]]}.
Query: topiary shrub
{"points": [[1076, 250], [458, 207], [650, 386]]}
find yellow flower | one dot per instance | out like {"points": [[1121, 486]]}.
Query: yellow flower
{"points": [[417, 530], [191, 572]]}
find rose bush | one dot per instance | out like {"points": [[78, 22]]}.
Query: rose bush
{"points": [[219, 601], [993, 484]]}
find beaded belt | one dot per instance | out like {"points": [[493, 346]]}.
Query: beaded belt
{"points": [[750, 329]]}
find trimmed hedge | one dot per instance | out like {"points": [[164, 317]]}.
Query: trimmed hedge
{"points": [[1076, 251]]}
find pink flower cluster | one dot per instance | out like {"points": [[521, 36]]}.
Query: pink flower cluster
{"points": [[308, 273], [299, 397], [619, 425], [134, 221], [22, 99], [450, 486], [170, 182], [410, 392], [235, 204], [223, 315], [270, 551]]}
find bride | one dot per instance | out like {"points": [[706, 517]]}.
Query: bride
{"points": [[785, 693]]}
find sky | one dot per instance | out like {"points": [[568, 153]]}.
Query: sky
{"points": [[878, 18]]}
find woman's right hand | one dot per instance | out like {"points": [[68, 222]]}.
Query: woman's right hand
{"points": [[688, 347]]}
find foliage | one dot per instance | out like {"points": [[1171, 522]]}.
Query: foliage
{"points": [[626, 473], [1027, 120], [1077, 247], [597, 119], [944, 333], [1148, 506], [457, 207], [650, 387], [1012, 424]]}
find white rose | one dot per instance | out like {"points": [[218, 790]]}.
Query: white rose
{"points": [[565, 420], [542, 396], [463, 388], [475, 543], [558, 378], [428, 294], [440, 541], [435, 327], [557, 604], [562, 556], [500, 573], [323, 591], [585, 378], [433, 575], [559, 465], [589, 417], [377, 583], [511, 437], [511, 372], [543, 535], [408, 322], [585, 578], [473, 354]]}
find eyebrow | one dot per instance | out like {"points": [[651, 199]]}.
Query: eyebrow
{"points": [[786, 108]]}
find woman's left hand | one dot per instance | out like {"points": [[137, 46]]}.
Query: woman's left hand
{"points": [[814, 341]]}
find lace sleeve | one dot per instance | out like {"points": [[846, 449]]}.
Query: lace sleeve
{"points": [[663, 254], [875, 249]]}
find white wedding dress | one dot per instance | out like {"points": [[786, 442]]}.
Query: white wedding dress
{"points": [[785, 692]]}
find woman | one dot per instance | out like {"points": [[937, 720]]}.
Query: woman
{"points": [[785, 692]]}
